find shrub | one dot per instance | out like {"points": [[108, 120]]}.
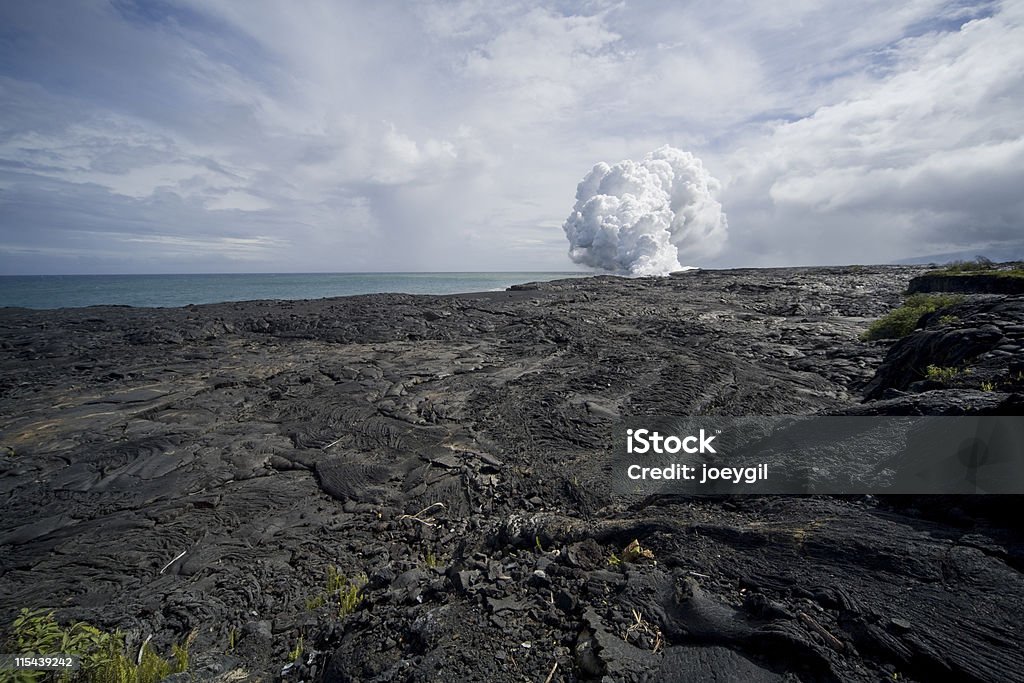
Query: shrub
{"points": [[902, 321], [937, 373], [104, 657]]}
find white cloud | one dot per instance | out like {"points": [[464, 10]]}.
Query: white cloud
{"points": [[451, 135], [929, 154]]}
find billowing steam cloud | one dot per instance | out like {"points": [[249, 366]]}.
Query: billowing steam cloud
{"points": [[641, 217]]}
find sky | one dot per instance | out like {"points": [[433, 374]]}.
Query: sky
{"points": [[331, 136]]}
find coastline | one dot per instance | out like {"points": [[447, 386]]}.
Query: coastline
{"points": [[48, 292], [445, 452]]}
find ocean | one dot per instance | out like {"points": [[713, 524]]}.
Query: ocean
{"points": [[68, 291]]}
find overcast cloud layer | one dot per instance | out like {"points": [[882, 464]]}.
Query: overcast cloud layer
{"points": [[246, 136]]}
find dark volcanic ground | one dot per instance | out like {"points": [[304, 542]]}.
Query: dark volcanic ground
{"points": [[448, 452]]}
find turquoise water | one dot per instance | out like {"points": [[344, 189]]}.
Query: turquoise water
{"points": [[65, 291]]}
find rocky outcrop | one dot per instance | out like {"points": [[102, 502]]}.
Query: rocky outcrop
{"points": [[979, 342], [164, 471], [970, 283]]}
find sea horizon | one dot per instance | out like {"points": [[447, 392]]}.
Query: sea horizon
{"points": [[171, 290]]}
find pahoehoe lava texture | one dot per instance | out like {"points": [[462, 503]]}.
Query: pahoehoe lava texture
{"points": [[450, 450]]}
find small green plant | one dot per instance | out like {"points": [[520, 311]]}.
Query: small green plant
{"points": [[903, 320], [938, 373], [103, 654], [153, 667], [335, 579], [988, 386], [347, 592], [179, 652], [631, 554], [348, 599], [634, 552], [536, 541], [948, 319], [430, 560], [232, 639], [296, 652]]}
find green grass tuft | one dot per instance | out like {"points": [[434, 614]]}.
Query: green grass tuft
{"points": [[104, 657], [296, 652], [349, 598], [347, 592], [903, 320], [335, 579], [938, 373]]}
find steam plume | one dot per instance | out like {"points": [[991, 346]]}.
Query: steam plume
{"points": [[642, 217]]}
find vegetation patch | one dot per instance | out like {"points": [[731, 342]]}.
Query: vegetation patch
{"points": [[346, 593], [980, 276], [430, 560], [937, 373], [104, 655], [979, 266], [296, 652], [902, 321], [632, 553], [1008, 273]]}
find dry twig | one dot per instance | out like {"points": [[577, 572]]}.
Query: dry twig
{"points": [[429, 521]]}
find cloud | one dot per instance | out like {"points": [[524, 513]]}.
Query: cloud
{"points": [[641, 217], [926, 158], [451, 135]]}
